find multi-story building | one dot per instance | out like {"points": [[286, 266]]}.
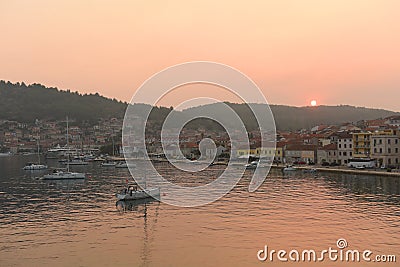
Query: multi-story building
{"points": [[362, 145], [393, 121], [386, 148], [345, 147], [296, 153], [327, 153]]}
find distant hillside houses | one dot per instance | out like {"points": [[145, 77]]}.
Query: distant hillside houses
{"points": [[323, 144], [23, 137], [337, 144]]}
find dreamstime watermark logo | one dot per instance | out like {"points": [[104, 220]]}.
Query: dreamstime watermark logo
{"points": [[152, 90], [341, 253]]}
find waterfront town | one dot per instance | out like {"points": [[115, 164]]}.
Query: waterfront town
{"points": [[324, 145]]}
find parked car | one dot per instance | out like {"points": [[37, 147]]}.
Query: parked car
{"points": [[325, 163], [335, 164]]}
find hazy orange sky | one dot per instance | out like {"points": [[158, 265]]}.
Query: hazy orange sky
{"points": [[337, 52]]}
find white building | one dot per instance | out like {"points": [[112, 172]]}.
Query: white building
{"points": [[345, 147], [385, 147]]}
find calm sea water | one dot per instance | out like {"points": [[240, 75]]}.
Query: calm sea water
{"points": [[79, 223]]}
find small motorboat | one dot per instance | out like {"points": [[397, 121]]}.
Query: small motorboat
{"points": [[108, 164], [289, 168], [132, 192], [64, 175], [252, 165], [34, 167], [76, 162], [310, 171], [121, 165]]}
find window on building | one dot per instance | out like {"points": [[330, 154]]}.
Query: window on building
{"points": [[389, 150], [340, 153], [397, 160], [388, 141], [389, 161], [396, 141], [380, 141], [340, 145], [345, 146], [351, 154], [345, 153], [380, 150], [375, 150], [350, 145]]}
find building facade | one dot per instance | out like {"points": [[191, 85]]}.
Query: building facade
{"points": [[345, 147], [386, 147], [362, 145], [327, 153]]}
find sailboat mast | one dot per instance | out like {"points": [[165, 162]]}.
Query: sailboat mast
{"points": [[67, 147], [37, 143], [113, 148], [38, 148]]}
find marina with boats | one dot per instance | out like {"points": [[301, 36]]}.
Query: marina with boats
{"points": [[108, 203]]}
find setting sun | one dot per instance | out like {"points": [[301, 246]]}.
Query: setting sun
{"points": [[313, 103]]}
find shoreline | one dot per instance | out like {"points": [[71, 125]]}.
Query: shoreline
{"points": [[345, 171]]}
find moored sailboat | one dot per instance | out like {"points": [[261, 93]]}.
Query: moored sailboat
{"points": [[30, 166], [64, 175]]}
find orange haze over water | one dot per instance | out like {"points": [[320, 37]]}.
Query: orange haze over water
{"points": [[336, 52]]}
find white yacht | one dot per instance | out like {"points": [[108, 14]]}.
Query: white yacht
{"points": [[34, 167], [62, 175]]}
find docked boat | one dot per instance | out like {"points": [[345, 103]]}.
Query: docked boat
{"points": [[65, 175], [62, 175], [6, 154], [76, 162], [122, 165], [34, 167], [108, 164], [30, 166], [310, 170], [289, 168], [57, 152], [88, 157], [132, 192], [252, 165], [99, 159]]}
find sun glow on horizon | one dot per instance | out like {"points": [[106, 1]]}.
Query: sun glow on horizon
{"points": [[313, 103]]}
